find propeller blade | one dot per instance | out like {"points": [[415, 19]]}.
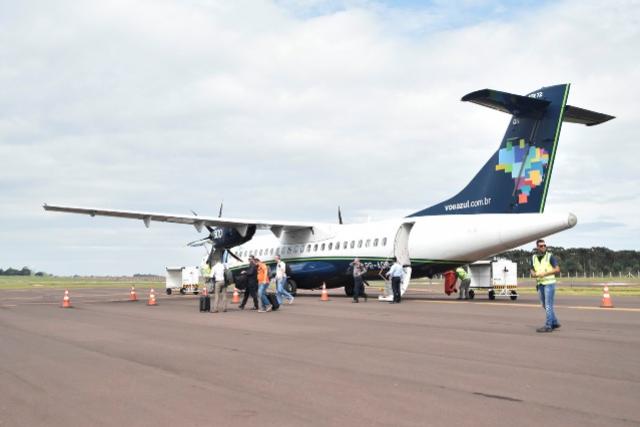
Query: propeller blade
{"points": [[220, 211], [339, 216], [233, 255], [199, 242]]}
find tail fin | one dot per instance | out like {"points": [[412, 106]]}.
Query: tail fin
{"points": [[516, 178]]}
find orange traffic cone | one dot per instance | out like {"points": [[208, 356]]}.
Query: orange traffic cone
{"points": [[324, 296], [606, 298], [152, 298], [236, 297], [132, 294], [66, 301]]}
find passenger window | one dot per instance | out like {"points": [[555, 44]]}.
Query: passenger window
{"points": [[337, 245], [375, 242], [308, 248], [322, 247], [315, 247], [384, 241], [289, 249], [359, 243], [353, 244], [271, 251], [367, 243], [330, 245], [344, 245]]}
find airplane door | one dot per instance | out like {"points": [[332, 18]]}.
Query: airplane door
{"points": [[401, 243]]}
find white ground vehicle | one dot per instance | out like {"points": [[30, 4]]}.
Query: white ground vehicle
{"points": [[183, 279]]}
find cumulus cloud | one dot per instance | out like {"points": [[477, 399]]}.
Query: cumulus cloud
{"points": [[286, 109]]}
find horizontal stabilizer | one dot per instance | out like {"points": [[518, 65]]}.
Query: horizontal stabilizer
{"points": [[517, 105], [584, 117]]}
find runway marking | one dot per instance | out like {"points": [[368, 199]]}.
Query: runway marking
{"points": [[574, 307]]}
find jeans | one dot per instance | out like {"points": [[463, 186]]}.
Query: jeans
{"points": [[281, 291], [262, 295], [358, 287], [547, 295]]}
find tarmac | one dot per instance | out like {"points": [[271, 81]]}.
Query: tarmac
{"points": [[428, 361]]}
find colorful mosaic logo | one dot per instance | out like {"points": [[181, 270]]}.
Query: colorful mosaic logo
{"points": [[510, 160]]}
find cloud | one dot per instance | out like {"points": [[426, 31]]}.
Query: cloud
{"points": [[287, 109]]}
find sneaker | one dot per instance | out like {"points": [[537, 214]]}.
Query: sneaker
{"points": [[354, 301], [556, 326], [241, 307], [544, 329], [262, 311], [291, 300], [269, 308]]}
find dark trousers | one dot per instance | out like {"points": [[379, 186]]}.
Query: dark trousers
{"points": [[395, 286], [252, 289], [358, 288]]}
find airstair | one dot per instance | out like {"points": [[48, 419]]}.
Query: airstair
{"points": [[401, 252]]}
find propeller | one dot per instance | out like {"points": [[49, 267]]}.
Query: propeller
{"points": [[339, 215]]}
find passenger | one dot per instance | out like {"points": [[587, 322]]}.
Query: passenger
{"points": [[396, 273], [465, 282], [358, 270], [544, 267], [281, 281], [263, 284], [252, 285], [220, 287]]}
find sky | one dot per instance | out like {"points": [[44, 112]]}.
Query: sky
{"points": [[286, 109]]}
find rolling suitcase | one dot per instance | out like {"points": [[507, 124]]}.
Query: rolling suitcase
{"points": [[273, 300], [205, 303]]}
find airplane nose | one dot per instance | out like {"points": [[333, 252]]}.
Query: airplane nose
{"points": [[573, 220]]}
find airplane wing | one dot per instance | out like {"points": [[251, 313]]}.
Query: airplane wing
{"points": [[241, 225]]}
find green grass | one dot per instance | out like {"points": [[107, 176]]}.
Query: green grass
{"points": [[51, 282]]}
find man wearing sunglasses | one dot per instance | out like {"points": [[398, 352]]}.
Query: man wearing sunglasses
{"points": [[544, 267]]}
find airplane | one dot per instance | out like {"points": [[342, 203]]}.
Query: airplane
{"points": [[501, 208]]}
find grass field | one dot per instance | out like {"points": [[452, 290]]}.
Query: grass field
{"points": [[572, 286]]}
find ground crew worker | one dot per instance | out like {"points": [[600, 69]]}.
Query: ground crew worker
{"points": [[544, 267], [395, 273], [465, 282], [205, 269], [219, 287]]}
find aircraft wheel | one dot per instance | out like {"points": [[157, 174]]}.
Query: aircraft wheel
{"points": [[168, 291], [183, 291], [513, 296], [492, 295], [348, 289], [291, 287], [471, 294]]}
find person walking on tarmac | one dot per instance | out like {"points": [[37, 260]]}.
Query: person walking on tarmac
{"points": [[465, 282], [252, 285], [544, 267], [358, 270], [395, 273], [219, 287], [281, 280], [263, 284]]}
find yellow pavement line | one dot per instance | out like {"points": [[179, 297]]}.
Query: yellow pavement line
{"points": [[574, 307]]}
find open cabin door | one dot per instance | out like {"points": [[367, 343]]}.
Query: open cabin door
{"points": [[401, 252]]}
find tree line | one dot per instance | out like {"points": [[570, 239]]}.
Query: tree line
{"points": [[598, 261], [24, 271]]}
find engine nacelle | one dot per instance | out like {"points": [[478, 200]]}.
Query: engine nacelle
{"points": [[229, 237]]}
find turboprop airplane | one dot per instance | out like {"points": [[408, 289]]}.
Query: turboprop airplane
{"points": [[500, 209]]}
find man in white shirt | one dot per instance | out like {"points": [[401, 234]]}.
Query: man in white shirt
{"points": [[395, 273], [219, 288], [281, 281]]}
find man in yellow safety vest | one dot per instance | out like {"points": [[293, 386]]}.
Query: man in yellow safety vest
{"points": [[544, 267], [465, 282]]}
